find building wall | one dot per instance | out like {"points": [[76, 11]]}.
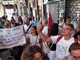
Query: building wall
{"points": [[73, 8], [53, 9], [1, 9], [36, 6]]}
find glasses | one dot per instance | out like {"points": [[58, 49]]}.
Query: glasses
{"points": [[32, 29], [75, 58], [66, 29]]}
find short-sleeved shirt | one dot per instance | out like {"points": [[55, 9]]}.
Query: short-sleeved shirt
{"points": [[45, 30], [34, 40], [62, 46]]}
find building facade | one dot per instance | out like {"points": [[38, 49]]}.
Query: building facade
{"points": [[57, 8]]}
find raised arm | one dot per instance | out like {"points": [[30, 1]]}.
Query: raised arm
{"points": [[42, 36]]}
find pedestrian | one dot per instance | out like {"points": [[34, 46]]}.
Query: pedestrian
{"points": [[74, 51], [64, 43], [32, 52], [33, 38]]}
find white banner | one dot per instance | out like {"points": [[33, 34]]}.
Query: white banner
{"points": [[11, 37]]}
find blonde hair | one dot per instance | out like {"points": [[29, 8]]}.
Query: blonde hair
{"points": [[7, 24]]}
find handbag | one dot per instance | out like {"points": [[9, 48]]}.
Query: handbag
{"points": [[52, 46]]}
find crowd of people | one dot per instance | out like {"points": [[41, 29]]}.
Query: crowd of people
{"points": [[61, 42]]}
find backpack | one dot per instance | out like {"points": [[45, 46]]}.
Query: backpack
{"points": [[53, 46]]}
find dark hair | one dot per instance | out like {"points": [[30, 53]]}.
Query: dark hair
{"points": [[76, 34], [16, 24], [45, 57], [74, 46], [30, 19], [13, 20], [70, 25], [28, 53], [20, 19], [3, 17], [35, 29], [54, 30], [68, 17]]}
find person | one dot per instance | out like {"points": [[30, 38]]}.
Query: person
{"points": [[5, 52], [61, 22], [53, 32], [27, 27], [77, 35], [13, 22], [1, 23], [44, 24], [8, 52], [74, 51], [62, 45], [37, 20], [16, 51], [3, 19], [70, 21], [7, 24], [32, 52], [45, 46], [33, 20], [33, 38], [20, 21], [78, 24]]}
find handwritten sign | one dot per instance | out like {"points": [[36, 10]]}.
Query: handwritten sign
{"points": [[11, 37]]}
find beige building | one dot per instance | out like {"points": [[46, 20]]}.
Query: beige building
{"points": [[12, 7], [19, 7], [35, 7], [1, 9]]}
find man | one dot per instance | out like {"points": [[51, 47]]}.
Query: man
{"points": [[74, 52], [68, 20], [62, 45], [61, 22]]}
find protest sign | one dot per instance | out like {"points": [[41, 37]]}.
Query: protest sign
{"points": [[11, 37]]}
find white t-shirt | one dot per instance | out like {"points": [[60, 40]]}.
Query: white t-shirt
{"points": [[62, 46], [45, 30], [26, 27], [34, 40], [45, 45]]}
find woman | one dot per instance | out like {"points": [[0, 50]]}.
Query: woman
{"points": [[33, 38], [20, 21]]}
